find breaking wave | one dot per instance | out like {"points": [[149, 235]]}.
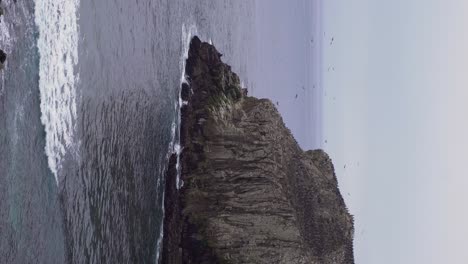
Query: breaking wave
{"points": [[58, 50], [187, 34], [174, 146]]}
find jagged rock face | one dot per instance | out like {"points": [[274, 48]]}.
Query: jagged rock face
{"points": [[250, 194]]}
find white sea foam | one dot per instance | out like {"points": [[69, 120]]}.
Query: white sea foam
{"points": [[187, 34], [5, 40], [159, 241], [58, 49], [5, 37], [7, 33], [174, 147]]}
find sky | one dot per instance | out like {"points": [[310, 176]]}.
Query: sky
{"points": [[285, 69], [390, 109], [395, 114]]}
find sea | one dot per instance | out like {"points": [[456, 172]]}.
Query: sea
{"points": [[89, 114]]}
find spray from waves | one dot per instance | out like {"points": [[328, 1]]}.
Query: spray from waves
{"points": [[6, 44], [174, 146], [58, 50], [7, 38], [187, 34]]}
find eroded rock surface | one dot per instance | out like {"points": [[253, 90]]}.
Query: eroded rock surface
{"points": [[250, 194]]}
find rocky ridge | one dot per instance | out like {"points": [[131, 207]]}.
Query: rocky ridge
{"points": [[250, 194]]}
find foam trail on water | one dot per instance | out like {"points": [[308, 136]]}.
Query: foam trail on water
{"points": [[58, 50], [159, 241]]}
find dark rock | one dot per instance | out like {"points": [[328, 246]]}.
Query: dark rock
{"points": [[2, 56], [250, 194], [245, 92], [185, 92], [171, 216]]}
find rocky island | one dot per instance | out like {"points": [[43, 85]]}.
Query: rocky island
{"points": [[250, 194]]}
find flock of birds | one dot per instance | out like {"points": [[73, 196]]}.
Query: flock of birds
{"points": [[330, 68]]}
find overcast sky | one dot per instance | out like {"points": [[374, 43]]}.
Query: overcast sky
{"points": [[399, 123], [394, 108], [285, 70]]}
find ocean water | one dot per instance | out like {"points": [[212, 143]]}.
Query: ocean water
{"points": [[89, 112]]}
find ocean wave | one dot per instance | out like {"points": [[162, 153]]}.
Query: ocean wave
{"points": [[58, 50], [5, 41], [5, 37], [7, 22], [8, 36]]}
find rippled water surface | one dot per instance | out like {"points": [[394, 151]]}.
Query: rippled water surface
{"points": [[88, 115]]}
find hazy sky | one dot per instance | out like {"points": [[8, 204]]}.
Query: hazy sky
{"points": [[394, 109], [285, 66], [399, 123]]}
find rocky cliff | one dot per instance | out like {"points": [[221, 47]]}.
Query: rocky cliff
{"points": [[249, 194]]}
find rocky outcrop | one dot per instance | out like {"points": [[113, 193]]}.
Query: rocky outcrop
{"points": [[2, 58], [249, 194]]}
